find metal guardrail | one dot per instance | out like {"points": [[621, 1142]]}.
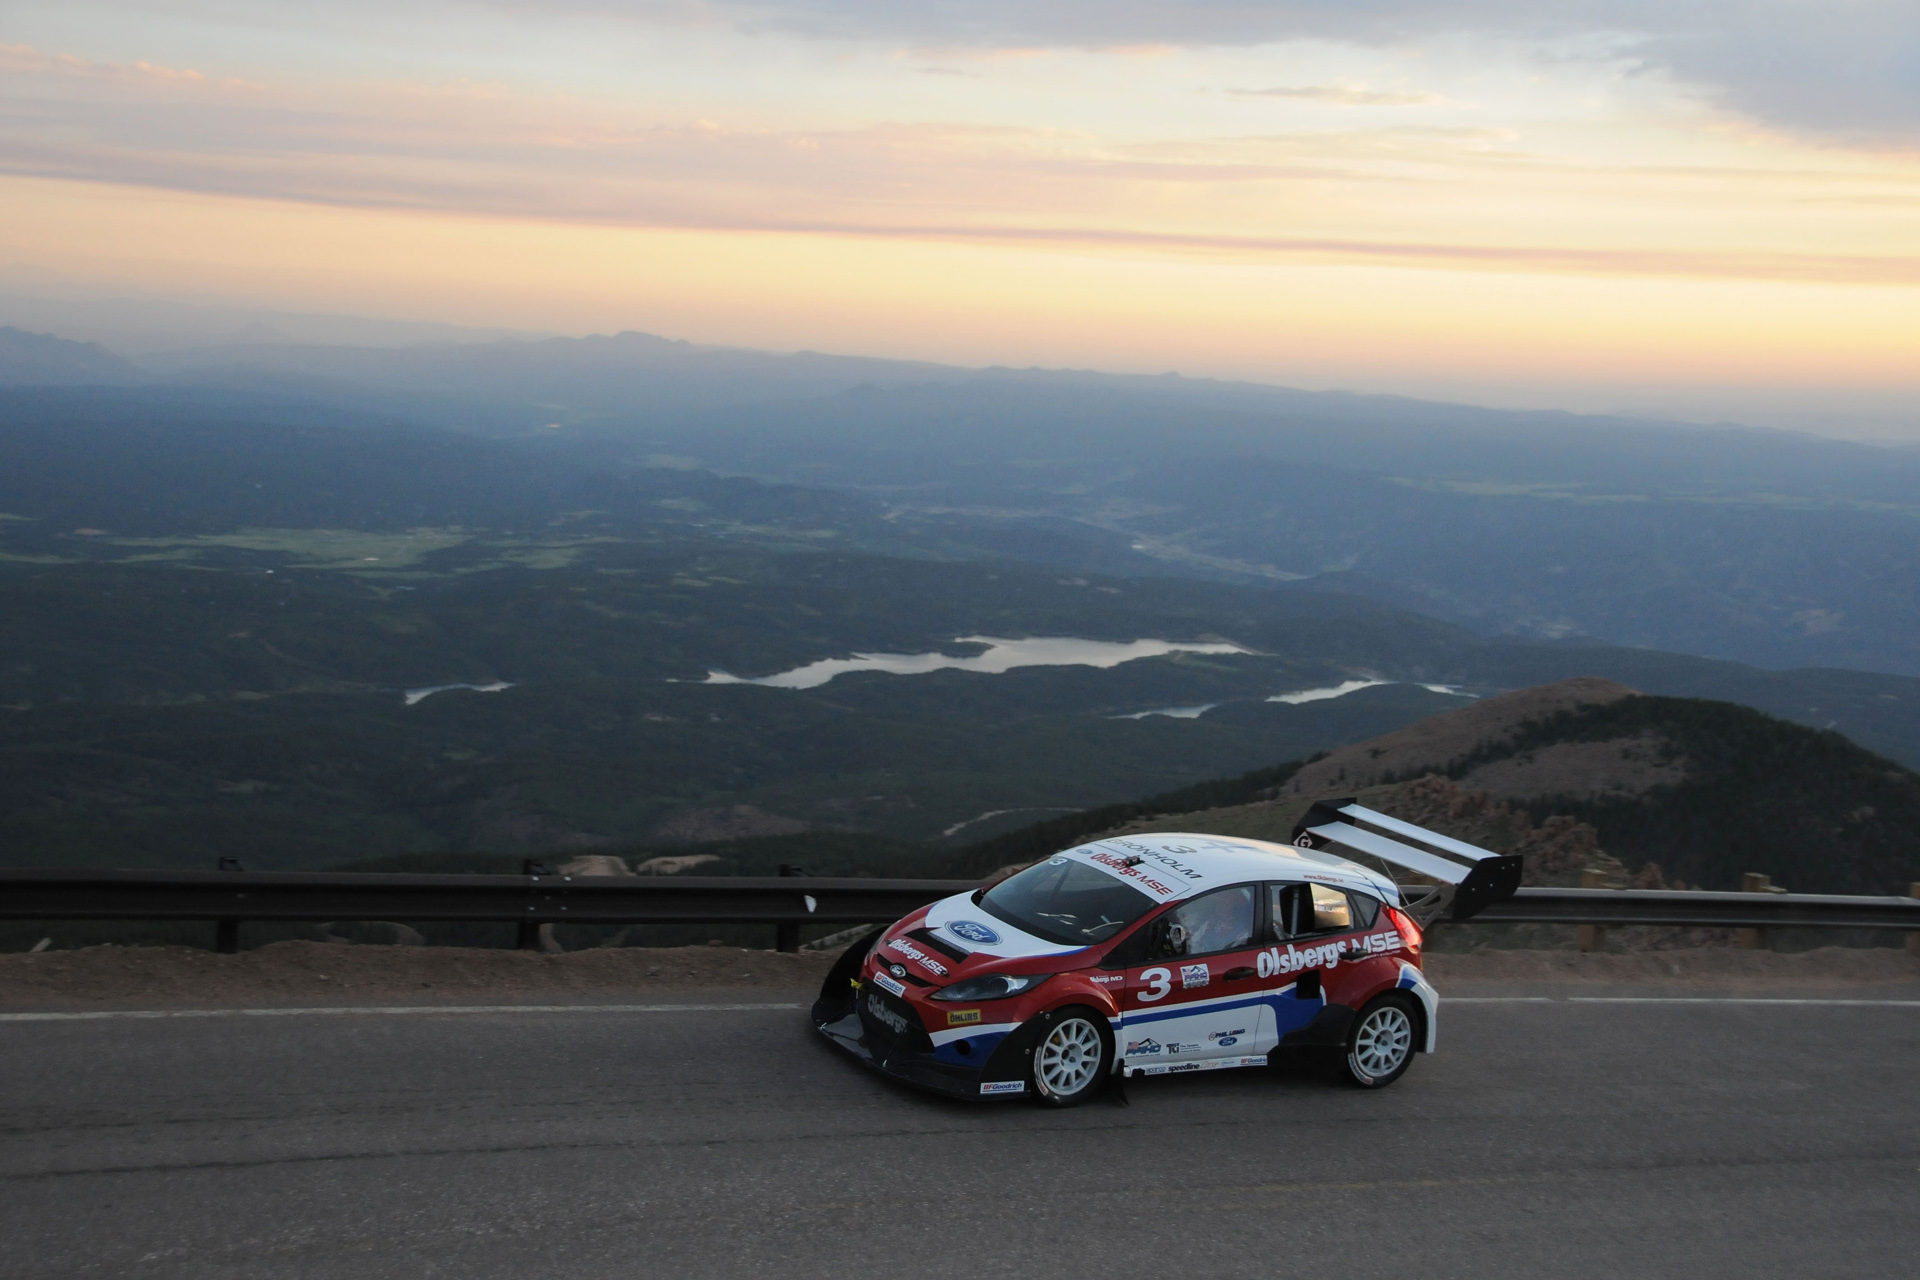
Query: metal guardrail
{"points": [[228, 897], [1694, 908]]}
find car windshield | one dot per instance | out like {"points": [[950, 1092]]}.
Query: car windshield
{"points": [[1066, 901]]}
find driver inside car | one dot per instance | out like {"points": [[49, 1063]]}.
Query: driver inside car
{"points": [[1220, 921]]}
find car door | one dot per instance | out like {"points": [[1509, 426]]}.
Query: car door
{"points": [[1195, 997], [1309, 933]]}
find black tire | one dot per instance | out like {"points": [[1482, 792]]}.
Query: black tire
{"points": [[1381, 1041], [1072, 1057]]}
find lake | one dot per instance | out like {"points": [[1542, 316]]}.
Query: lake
{"points": [[1001, 655]]}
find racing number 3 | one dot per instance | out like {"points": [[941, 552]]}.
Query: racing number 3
{"points": [[1161, 982]]}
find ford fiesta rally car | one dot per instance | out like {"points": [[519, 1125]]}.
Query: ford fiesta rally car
{"points": [[1164, 953]]}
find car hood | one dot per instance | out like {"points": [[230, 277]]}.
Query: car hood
{"points": [[959, 921]]}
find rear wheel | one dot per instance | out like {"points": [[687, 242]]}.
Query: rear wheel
{"points": [[1380, 1042], [1071, 1061]]}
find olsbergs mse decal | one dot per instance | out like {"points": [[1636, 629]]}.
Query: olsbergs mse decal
{"points": [[1327, 955]]}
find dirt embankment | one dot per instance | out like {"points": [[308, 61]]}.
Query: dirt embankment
{"points": [[296, 974]]}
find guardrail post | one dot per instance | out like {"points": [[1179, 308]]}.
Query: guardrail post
{"points": [[1913, 935], [786, 937], [1593, 937], [1755, 882], [226, 937]]}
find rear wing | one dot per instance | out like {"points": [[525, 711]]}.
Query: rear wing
{"points": [[1470, 877]]}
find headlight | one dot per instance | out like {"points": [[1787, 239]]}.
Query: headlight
{"points": [[991, 986]]}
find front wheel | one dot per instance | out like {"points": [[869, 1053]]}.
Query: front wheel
{"points": [[1380, 1044], [1070, 1062]]}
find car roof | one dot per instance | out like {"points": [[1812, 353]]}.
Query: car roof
{"points": [[1176, 864]]}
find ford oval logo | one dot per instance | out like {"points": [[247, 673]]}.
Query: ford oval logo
{"points": [[973, 931]]}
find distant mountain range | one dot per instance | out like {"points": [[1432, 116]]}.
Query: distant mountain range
{"points": [[219, 579], [1758, 546], [42, 360]]}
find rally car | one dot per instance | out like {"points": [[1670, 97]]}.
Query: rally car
{"points": [[1164, 953]]}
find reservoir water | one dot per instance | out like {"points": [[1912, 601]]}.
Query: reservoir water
{"points": [[1001, 655], [1173, 713], [1354, 686], [415, 695]]}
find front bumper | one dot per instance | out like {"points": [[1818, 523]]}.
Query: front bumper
{"points": [[1001, 1073]]}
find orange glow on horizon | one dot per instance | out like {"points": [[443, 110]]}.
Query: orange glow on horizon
{"points": [[1105, 306]]}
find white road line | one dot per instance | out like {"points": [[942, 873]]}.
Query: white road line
{"points": [[1446, 999], [1878, 1004], [95, 1015]]}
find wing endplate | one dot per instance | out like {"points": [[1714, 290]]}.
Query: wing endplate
{"points": [[1481, 878]]}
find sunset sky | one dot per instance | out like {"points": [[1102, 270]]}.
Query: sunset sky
{"points": [[1709, 209]]}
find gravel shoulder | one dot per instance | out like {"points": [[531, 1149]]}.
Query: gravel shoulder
{"points": [[294, 974]]}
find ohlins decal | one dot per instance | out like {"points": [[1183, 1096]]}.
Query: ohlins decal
{"points": [[914, 953]]}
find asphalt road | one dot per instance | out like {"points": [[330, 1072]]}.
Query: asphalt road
{"points": [[1545, 1139]]}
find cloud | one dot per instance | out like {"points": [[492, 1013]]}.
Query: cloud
{"points": [[1845, 67], [1341, 95]]}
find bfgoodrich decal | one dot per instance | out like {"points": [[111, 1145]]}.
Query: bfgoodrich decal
{"points": [[1003, 1086]]}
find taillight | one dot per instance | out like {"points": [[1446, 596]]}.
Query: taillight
{"points": [[1409, 931]]}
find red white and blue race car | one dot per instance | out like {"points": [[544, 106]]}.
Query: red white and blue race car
{"points": [[1156, 954]]}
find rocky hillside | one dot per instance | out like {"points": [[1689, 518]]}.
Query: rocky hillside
{"points": [[1584, 774]]}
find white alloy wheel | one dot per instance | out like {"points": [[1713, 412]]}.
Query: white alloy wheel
{"points": [[1070, 1060], [1381, 1045]]}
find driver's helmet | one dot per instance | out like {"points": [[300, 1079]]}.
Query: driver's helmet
{"points": [[1217, 921]]}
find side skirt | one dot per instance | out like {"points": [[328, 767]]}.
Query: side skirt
{"points": [[1204, 1064]]}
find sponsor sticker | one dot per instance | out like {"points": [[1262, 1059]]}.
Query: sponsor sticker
{"points": [[886, 1017], [1003, 1086], [886, 983], [961, 1017], [1327, 955], [1133, 875], [1225, 1037], [1177, 1047], [1194, 975], [1213, 1064], [1227, 1040], [1380, 944], [918, 956], [1139, 1048], [973, 931]]}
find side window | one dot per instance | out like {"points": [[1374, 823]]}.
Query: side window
{"points": [[1297, 910], [1219, 921], [1331, 910], [1366, 909]]}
